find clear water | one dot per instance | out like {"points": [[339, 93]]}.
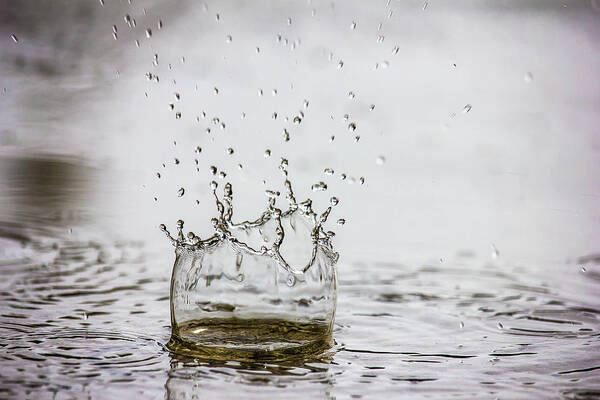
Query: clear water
{"points": [[460, 141]]}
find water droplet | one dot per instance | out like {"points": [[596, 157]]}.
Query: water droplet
{"points": [[198, 149], [158, 175], [114, 29], [467, 108], [222, 174], [528, 78], [148, 33], [180, 192], [260, 92], [257, 49], [214, 185], [178, 115], [115, 36], [362, 180], [230, 151], [291, 280], [286, 135], [272, 194], [328, 171], [425, 6], [343, 176], [289, 21], [395, 50], [356, 138], [340, 64], [267, 153], [213, 169], [500, 326], [319, 187], [380, 39], [380, 160], [462, 325], [334, 201], [341, 221], [305, 104], [583, 269], [274, 92], [160, 24], [384, 64], [216, 90], [331, 139], [352, 127], [371, 107], [351, 95], [353, 25], [240, 167], [228, 39], [217, 17], [495, 252], [297, 120]]}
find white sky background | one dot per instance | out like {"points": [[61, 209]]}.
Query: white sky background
{"points": [[520, 170]]}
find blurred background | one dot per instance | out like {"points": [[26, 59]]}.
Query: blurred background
{"points": [[474, 125]]}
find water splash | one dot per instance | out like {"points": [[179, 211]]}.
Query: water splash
{"points": [[225, 226]]}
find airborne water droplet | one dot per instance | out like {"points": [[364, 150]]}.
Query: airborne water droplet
{"points": [[267, 153], [180, 192], [341, 221], [380, 160], [500, 326], [334, 201], [230, 151], [467, 108], [228, 39], [353, 25], [297, 120], [319, 187], [352, 127], [148, 33], [328, 171], [528, 78]]}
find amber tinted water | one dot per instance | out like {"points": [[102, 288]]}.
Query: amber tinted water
{"points": [[263, 340]]}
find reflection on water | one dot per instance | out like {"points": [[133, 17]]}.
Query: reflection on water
{"points": [[90, 317]]}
